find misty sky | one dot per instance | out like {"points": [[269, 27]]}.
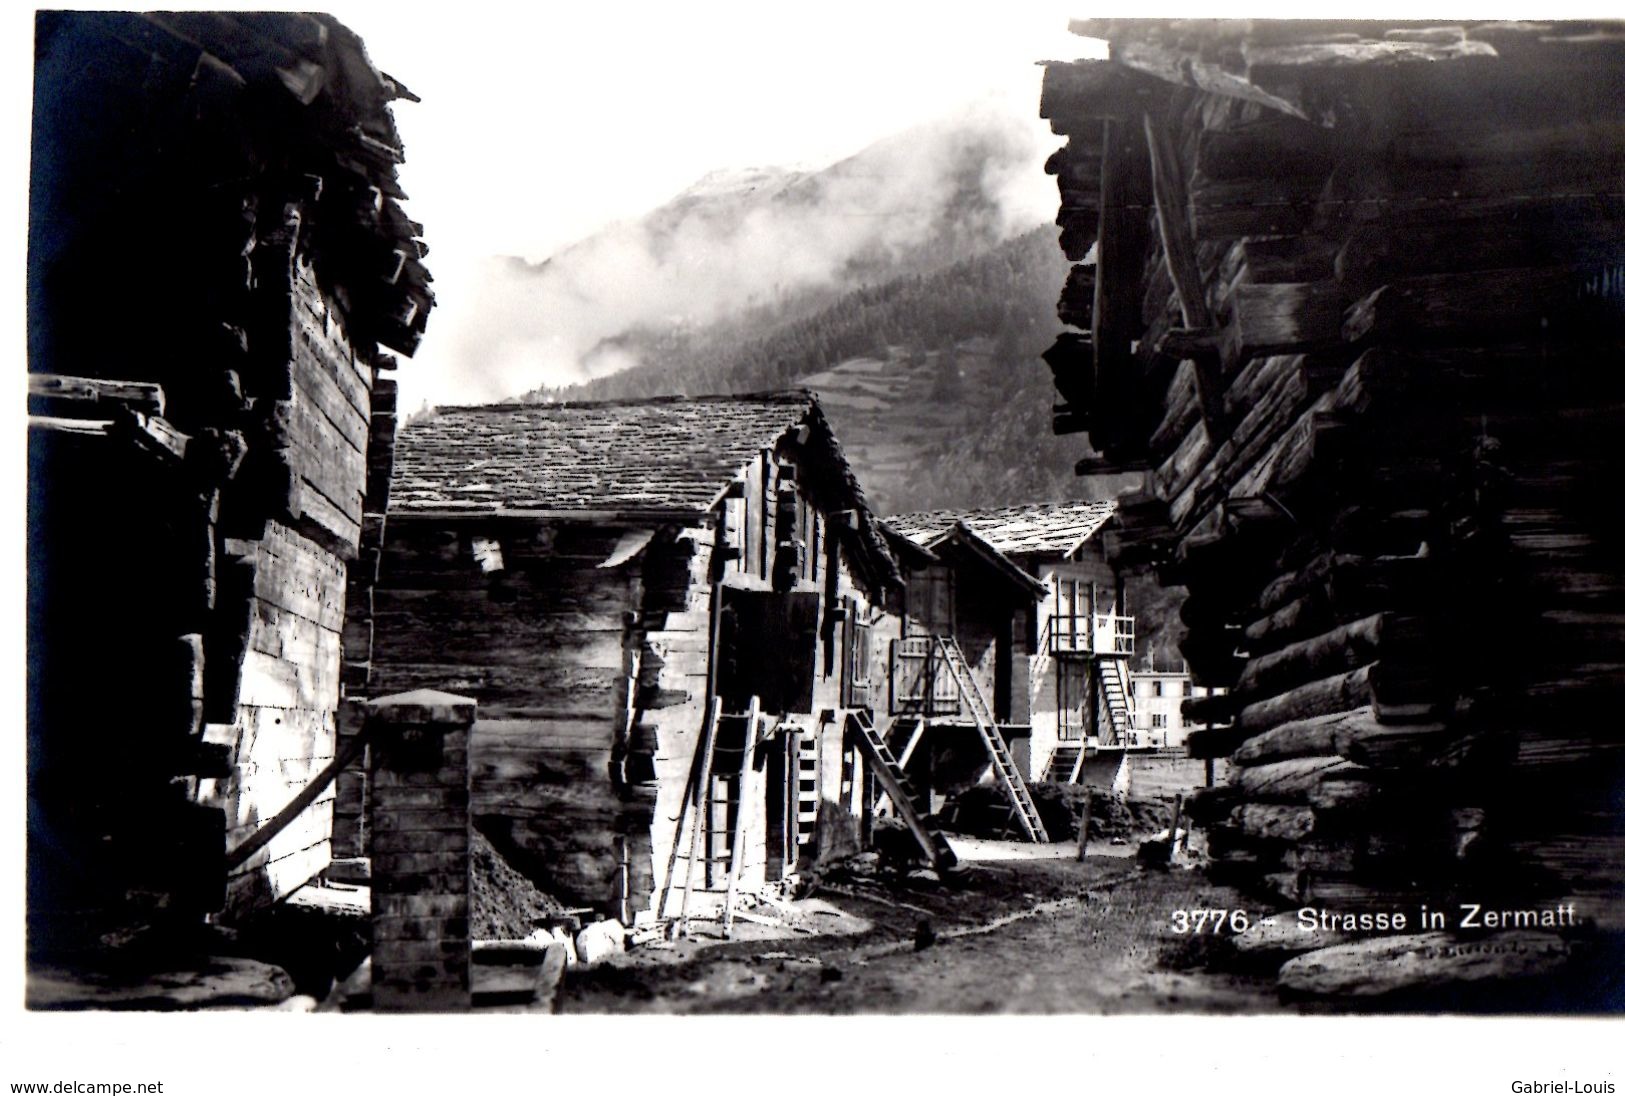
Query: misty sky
{"points": [[538, 128]]}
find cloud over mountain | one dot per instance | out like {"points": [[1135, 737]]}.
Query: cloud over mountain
{"points": [[913, 202]]}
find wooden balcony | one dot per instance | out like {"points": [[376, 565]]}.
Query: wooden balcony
{"points": [[1105, 634]]}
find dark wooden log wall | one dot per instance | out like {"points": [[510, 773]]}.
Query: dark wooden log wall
{"points": [[593, 681], [540, 642], [1398, 531], [287, 591], [258, 316]]}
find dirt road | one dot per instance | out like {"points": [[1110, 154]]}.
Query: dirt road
{"points": [[1025, 931]]}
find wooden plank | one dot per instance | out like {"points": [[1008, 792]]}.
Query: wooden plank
{"points": [[316, 387], [134, 395], [1321, 735]]}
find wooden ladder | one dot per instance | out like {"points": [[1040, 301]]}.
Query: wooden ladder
{"points": [[889, 772], [699, 802], [998, 751]]}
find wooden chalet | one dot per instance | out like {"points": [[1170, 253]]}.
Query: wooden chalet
{"points": [[673, 613], [1350, 294], [217, 264], [1068, 647]]}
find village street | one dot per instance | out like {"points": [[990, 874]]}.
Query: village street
{"points": [[1027, 930]]}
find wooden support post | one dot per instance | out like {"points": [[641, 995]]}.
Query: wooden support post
{"points": [[913, 743], [1179, 251], [701, 796], [1083, 823], [747, 787], [1173, 827], [1119, 264], [1178, 248]]}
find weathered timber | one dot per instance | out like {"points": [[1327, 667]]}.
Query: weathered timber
{"points": [[1092, 90], [1213, 708], [1071, 360], [1308, 614], [1344, 648], [1286, 317], [1178, 249], [1077, 303], [1425, 745], [1486, 304], [1266, 399], [1341, 692], [134, 395], [1213, 742], [1286, 781], [1179, 67], [1422, 963], [1274, 821], [1125, 193], [1210, 805], [1268, 259]]}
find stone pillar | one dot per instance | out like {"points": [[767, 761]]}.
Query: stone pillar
{"points": [[419, 826]]}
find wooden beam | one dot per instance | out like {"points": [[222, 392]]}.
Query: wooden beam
{"points": [[135, 395], [1125, 187], [1173, 222], [1179, 253]]}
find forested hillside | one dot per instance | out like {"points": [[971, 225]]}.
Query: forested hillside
{"points": [[933, 382]]}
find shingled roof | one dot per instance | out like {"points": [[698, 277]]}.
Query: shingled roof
{"points": [[1035, 528], [668, 458], [671, 454]]}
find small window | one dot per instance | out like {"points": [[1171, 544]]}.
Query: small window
{"points": [[1189, 689], [1158, 721], [1156, 688], [488, 554]]}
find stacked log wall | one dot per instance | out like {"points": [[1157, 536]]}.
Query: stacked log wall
{"points": [[283, 724], [593, 681], [1393, 527], [540, 642]]}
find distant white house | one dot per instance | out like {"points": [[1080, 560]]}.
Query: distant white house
{"points": [[1158, 695]]}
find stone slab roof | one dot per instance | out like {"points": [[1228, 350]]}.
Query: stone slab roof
{"points": [[1041, 528], [667, 454]]}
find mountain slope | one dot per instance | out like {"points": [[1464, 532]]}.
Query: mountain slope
{"points": [[932, 382], [772, 242]]}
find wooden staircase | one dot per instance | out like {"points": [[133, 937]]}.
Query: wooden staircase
{"points": [[1063, 763], [1114, 695], [861, 728], [998, 751]]}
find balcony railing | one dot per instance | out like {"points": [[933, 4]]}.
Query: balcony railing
{"points": [[1100, 633]]}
